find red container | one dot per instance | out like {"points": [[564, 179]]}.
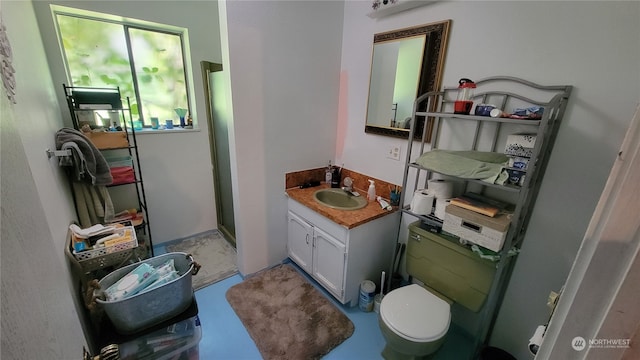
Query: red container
{"points": [[463, 103]]}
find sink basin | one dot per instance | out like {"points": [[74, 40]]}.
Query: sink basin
{"points": [[339, 199]]}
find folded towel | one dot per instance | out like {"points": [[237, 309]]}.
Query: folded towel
{"points": [[88, 162], [485, 166], [94, 230]]}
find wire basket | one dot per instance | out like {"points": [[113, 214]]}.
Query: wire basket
{"points": [[91, 260]]}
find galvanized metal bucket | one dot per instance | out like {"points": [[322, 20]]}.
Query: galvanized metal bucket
{"points": [[152, 307]]}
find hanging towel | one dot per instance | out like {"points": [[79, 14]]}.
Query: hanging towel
{"points": [[87, 161], [90, 172], [93, 204]]}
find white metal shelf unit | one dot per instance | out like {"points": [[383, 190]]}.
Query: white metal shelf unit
{"points": [[496, 91]]}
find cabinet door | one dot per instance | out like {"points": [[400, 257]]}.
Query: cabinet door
{"points": [[300, 241], [329, 257]]}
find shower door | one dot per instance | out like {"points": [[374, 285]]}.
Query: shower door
{"points": [[219, 143]]}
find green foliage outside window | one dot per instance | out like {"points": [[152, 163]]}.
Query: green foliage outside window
{"points": [[97, 55]]}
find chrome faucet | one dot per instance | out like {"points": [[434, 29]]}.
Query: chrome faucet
{"points": [[348, 187], [348, 183]]}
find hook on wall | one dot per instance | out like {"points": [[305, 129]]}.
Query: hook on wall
{"points": [[57, 153]]}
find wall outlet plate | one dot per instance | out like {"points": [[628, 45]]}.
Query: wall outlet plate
{"points": [[394, 153]]}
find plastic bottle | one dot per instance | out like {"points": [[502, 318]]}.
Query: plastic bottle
{"points": [[371, 193], [328, 174], [383, 203]]}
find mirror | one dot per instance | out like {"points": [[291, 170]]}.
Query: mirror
{"points": [[405, 63]]}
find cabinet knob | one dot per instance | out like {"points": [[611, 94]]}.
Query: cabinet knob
{"points": [[415, 237], [307, 239]]}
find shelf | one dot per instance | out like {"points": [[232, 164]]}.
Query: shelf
{"points": [[125, 183], [510, 188], [480, 118], [116, 148], [105, 109], [424, 218], [399, 6], [516, 169], [523, 198]]}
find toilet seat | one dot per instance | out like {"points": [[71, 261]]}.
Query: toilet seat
{"points": [[415, 314]]}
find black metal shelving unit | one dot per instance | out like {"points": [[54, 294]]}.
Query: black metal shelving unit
{"points": [[83, 103]]}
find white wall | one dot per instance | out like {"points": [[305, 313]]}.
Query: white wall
{"points": [[38, 314], [284, 63], [176, 167], [594, 46], [39, 120], [286, 70], [600, 300]]}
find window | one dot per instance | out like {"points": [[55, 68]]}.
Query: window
{"points": [[147, 63]]}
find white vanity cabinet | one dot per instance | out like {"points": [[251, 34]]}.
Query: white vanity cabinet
{"points": [[300, 241], [318, 253], [339, 258]]}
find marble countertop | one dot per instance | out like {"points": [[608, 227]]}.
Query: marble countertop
{"points": [[346, 218]]}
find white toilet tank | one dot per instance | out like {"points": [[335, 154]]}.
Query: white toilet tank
{"points": [[448, 267]]}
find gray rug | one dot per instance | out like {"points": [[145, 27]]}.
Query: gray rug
{"points": [[216, 256], [287, 317]]}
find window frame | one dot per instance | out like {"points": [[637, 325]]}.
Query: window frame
{"points": [[130, 23]]}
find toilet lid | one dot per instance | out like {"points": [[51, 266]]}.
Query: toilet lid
{"points": [[415, 314]]}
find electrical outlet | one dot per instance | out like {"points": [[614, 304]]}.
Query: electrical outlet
{"points": [[394, 153]]}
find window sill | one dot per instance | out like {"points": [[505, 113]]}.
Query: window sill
{"points": [[177, 129]]}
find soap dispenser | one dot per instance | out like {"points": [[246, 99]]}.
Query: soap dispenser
{"points": [[371, 193], [328, 174]]}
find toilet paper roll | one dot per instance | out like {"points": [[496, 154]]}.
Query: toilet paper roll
{"points": [[441, 188], [441, 204], [536, 339], [422, 202]]}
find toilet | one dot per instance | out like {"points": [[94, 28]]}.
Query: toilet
{"points": [[414, 322], [415, 319]]}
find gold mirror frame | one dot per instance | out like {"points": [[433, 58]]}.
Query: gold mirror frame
{"points": [[436, 35]]}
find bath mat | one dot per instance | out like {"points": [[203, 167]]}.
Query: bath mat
{"points": [[286, 316], [216, 256]]}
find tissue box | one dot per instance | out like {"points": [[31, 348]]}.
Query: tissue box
{"points": [[520, 145]]}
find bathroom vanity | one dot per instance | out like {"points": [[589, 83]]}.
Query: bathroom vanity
{"points": [[340, 248]]}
